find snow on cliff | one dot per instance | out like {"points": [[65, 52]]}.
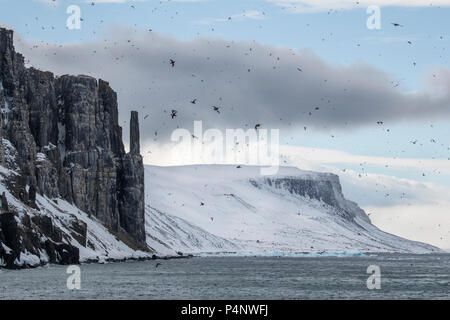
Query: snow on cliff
{"points": [[58, 222], [207, 210], [236, 209]]}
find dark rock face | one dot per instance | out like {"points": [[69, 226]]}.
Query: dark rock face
{"points": [[322, 187], [69, 144], [10, 235], [4, 202], [132, 195]]}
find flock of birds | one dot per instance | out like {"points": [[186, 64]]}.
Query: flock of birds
{"points": [[173, 113]]}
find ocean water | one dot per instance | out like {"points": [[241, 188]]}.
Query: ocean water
{"points": [[402, 277]]}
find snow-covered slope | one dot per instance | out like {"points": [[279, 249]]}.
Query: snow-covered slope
{"points": [[225, 208], [168, 235]]}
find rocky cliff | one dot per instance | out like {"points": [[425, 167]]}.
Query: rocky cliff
{"points": [[61, 136]]}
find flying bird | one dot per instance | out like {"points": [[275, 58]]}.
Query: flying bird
{"points": [[173, 113], [396, 24], [194, 101], [216, 109], [172, 62], [257, 126]]}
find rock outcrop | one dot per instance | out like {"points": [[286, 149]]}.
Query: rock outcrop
{"points": [[61, 135], [324, 187]]}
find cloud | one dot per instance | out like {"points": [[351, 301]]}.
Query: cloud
{"points": [[313, 6], [56, 2], [50, 2], [250, 83], [389, 39], [333, 157], [248, 14], [415, 210]]}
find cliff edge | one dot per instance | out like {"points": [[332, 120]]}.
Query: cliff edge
{"points": [[61, 137]]}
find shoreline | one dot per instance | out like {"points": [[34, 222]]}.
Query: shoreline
{"points": [[101, 261], [227, 255]]}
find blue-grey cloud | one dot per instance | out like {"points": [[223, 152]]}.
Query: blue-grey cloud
{"points": [[250, 83]]}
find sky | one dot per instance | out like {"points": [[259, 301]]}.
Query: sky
{"points": [[370, 105]]}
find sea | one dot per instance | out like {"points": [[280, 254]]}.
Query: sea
{"points": [[375, 276]]}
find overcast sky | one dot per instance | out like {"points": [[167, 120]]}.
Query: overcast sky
{"points": [[277, 87]]}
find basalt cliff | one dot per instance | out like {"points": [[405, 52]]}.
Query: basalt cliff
{"points": [[60, 141]]}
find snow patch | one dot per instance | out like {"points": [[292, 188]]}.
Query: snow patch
{"points": [[40, 157]]}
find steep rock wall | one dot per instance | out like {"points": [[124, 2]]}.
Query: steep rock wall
{"points": [[68, 143]]}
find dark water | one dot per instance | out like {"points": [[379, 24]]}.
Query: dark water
{"points": [[402, 277]]}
